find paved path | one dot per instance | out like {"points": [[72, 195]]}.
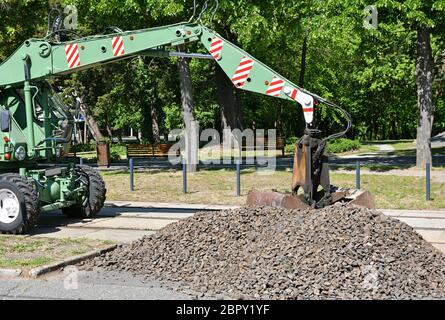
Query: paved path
{"points": [[438, 141], [385, 148], [429, 224], [119, 221]]}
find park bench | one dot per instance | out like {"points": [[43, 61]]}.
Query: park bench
{"points": [[261, 143], [149, 150]]}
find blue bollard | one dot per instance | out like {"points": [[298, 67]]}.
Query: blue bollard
{"points": [[184, 176], [238, 178], [131, 175], [357, 176], [428, 182]]}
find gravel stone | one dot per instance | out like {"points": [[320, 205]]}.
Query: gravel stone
{"points": [[271, 253]]}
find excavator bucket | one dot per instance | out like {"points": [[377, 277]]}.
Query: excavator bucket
{"points": [[275, 199], [310, 171]]}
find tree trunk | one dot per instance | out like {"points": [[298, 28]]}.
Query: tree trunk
{"points": [[424, 79], [230, 106], [155, 125], [110, 132], [188, 105], [90, 122]]}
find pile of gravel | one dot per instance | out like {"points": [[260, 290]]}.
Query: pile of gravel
{"points": [[270, 253]]}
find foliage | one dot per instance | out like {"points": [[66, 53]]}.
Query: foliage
{"points": [[85, 147], [335, 146], [371, 73], [342, 145]]}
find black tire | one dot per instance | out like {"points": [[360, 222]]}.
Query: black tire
{"points": [[95, 198], [28, 204]]}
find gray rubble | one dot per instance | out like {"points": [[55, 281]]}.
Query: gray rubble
{"points": [[270, 253]]}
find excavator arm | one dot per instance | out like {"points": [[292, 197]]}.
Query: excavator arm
{"points": [[43, 59], [249, 74]]}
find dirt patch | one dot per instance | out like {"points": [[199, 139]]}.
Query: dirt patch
{"points": [[267, 253]]}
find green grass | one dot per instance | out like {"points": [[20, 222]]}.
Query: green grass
{"points": [[218, 187], [396, 192], [396, 144], [24, 263], [31, 252]]}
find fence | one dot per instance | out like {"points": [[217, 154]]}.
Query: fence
{"points": [[237, 167]]}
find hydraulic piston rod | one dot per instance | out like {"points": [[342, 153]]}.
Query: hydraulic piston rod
{"points": [[28, 106], [163, 53]]}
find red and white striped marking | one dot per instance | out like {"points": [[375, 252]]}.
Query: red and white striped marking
{"points": [[216, 47], [242, 72], [118, 46], [306, 101], [72, 55], [275, 87]]}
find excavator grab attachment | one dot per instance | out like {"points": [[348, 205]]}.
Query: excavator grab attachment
{"points": [[310, 172]]}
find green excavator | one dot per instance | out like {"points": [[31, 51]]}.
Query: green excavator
{"points": [[36, 126]]}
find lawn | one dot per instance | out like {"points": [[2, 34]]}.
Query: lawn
{"points": [[405, 147], [218, 187], [29, 252]]}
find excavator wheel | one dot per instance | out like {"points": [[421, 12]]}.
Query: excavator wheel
{"points": [[19, 204], [95, 198]]}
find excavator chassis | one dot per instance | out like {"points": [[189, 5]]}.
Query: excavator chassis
{"points": [[310, 172]]}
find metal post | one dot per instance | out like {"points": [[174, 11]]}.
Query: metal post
{"points": [[131, 175], [184, 176], [357, 176], [81, 161], [238, 178], [428, 181]]}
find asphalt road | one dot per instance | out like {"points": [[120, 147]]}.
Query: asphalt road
{"points": [[91, 285]]}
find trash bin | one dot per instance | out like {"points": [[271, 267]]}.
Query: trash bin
{"points": [[103, 154]]}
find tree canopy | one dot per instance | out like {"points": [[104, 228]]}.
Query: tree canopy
{"points": [[370, 72]]}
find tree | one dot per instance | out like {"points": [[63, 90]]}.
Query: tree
{"points": [[188, 105], [424, 77], [427, 19], [229, 104]]}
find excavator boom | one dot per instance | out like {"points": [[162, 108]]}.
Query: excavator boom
{"points": [[47, 59]]}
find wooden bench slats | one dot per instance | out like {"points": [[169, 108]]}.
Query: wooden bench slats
{"points": [[263, 143], [163, 150], [149, 151]]}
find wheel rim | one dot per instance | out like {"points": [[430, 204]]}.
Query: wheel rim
{"points": [[9, 206]]}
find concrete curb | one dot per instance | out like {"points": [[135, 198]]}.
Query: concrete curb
{"points": [[162, 205], [10, 273], [37, 272]]}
